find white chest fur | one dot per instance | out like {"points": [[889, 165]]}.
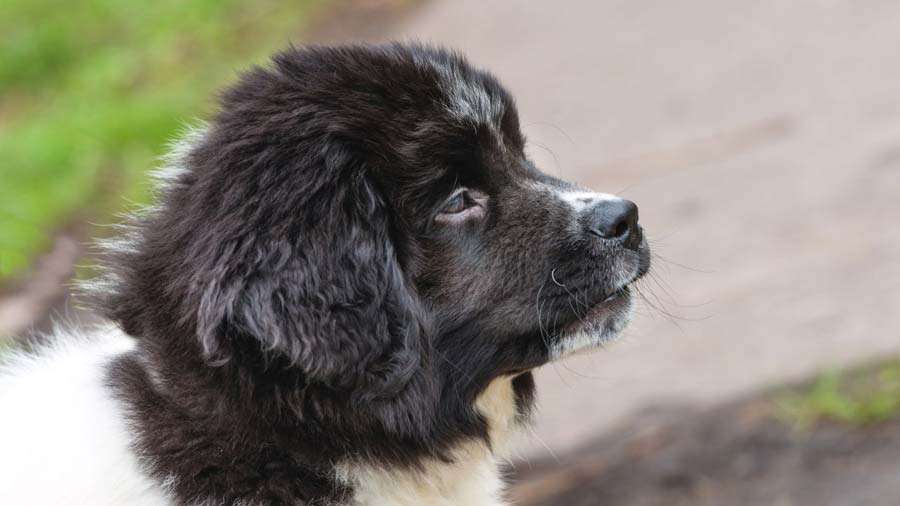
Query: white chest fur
{"points": [[64, 440], [63, 436], [472, 479]]}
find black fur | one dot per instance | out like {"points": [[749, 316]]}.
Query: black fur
{"points": [[298, 304]]}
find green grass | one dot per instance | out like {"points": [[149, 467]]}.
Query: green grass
{"points": [[91, 92], [857, 397]]}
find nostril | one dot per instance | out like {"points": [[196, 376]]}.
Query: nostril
{"points": [[611, 219]]}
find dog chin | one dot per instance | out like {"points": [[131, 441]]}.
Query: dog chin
{"points": [[603, 323]]}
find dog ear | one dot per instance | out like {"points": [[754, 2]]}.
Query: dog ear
{"points": [[272, 239], [325, 291]]}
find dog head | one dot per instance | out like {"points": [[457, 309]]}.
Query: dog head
{"points": [[367, 216]]}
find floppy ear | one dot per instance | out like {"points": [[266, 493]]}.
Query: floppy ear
{"points": [[312, 277]]}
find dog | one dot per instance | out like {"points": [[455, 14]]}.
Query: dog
{"points": [[339, 298]]}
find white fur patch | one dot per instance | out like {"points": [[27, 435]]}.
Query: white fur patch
{"points": [[580, 200], [472, 479], [63, 437], [595, 332]]}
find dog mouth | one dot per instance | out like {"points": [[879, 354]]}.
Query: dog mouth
{"points": [[586, 307], [611, 306], [617, 294], [599, 324]]}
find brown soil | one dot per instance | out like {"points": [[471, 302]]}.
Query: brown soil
{"points": [[737, 454]]}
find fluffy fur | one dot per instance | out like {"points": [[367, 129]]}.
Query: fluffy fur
{"points": [[337, 300]]}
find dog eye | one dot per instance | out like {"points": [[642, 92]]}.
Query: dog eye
{"points": [[455, 205], [463, 205]]}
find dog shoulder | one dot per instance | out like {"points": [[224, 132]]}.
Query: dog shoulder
{"points": [[64, 436]]}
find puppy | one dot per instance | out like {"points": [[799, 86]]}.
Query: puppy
{"points": [[338, 299]]}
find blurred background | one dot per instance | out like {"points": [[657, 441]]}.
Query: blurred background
{"points": [[761, 140]]}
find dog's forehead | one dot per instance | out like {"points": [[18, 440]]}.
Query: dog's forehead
{"points": [[469, 96], [466, 95]]}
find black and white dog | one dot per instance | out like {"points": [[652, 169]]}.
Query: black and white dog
{"points": [[338, 299]]}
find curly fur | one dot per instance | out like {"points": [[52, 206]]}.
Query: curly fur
{"points": [[306, 330]]}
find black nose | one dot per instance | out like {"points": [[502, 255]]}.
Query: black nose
{"points": [[611, 219]]}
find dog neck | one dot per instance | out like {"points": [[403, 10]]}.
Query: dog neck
{"points": [[470, 477], [176, 403]]}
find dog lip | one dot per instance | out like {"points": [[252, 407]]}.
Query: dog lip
{"points": [[600, 311], [619, 292], [620, 295]]}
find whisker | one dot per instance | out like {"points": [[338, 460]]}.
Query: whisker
{"points": [[659, 307], [667, 290], [640, 287], [557, 167], [555, 127], [583, 375], [544, 334], [569, 292], [659, 258]]}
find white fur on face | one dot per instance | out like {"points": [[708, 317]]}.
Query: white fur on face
{"points": [[577, 198], [63, 437], [596, 332], [581, 200], [606, 321], [472, 479]]}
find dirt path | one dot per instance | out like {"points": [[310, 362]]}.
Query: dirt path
{"points": [[762, 141], [733, 455]]}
